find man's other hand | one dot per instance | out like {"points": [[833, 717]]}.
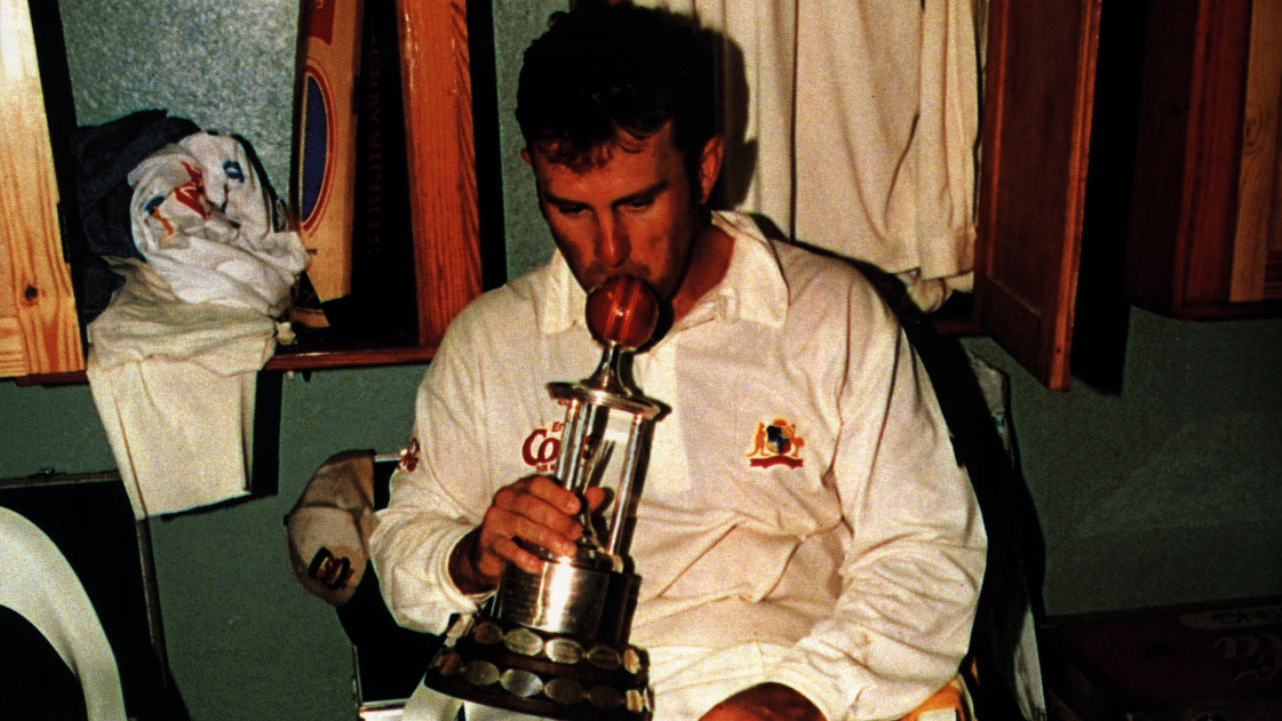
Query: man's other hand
{"points": [[765, 702], [535, 509]]}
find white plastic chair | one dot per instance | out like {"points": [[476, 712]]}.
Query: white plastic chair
{"points": [[37, 582]]}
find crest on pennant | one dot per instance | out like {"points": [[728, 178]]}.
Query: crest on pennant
{"points": [[776, 443]]}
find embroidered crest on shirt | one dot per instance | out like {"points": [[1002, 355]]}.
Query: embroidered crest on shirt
{"points": [[409, 456], [776, 443]]}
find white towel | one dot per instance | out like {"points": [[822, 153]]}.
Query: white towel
{"points": [[173, 359], [174, 385], [208, 227]]}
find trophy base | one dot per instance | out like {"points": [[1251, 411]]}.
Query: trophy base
{"points": [[535, 672]]}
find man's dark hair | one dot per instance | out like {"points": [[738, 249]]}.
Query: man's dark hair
{"points": [[601, 69]]}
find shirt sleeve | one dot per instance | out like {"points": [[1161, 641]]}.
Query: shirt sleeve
{"points": [[912, 573], [426, 516]]}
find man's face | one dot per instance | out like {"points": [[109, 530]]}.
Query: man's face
{"points": [[634, 214]]}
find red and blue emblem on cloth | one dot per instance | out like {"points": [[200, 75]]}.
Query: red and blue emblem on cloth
{"points": [[776, 443]]}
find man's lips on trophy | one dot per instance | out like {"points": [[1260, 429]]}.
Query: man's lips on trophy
{"points": [[623, 310]]}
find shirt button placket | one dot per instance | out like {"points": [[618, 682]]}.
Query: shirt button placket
{"points": [[656, 374]]}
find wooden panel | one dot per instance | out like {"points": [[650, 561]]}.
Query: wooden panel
{"points": [[1260, 173], [442, 169], [1039, 82], [1189, 164], [1160, 158], [39, 332], [1210, 173]]}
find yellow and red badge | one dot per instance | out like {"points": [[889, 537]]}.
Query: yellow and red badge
{"points": [[776, 443]]}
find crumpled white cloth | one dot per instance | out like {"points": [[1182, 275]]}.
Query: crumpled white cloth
{"points": [[174, 383], [38, 583], [147, 321], [173, 360], [209, 228]]}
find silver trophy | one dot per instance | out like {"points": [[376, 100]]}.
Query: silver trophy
{"points": [[555, 644]]}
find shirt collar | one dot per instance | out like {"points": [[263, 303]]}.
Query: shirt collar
{"points": [[753, 288]]}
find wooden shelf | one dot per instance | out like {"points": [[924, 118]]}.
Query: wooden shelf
{"points": [[288, 359], [1039, 84], [38, 327]]}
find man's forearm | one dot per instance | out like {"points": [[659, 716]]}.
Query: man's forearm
{"points": [[463, 570]]}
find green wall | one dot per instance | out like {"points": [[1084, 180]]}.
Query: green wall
{"points": [[1165, 493], [516, 24], [244, 639], [226, 66], [1170, 491]]}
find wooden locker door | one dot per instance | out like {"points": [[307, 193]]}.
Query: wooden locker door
{"points": [[39, 331], [1038, 95], [442, 171]]}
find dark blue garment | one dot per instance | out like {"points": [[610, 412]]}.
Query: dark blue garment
{"points": [[102, 157]]}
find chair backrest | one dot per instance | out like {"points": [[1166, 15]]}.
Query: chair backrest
{"points": [[389, 659], [328, 532]]}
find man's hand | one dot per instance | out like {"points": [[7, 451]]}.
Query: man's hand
{"points": [[535, 509], [765, 702]]}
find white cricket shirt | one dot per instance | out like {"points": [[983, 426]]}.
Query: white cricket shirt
{"points": [[803, 518]]}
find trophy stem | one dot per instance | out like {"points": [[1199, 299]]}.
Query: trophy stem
{"points": [[625, 505]]}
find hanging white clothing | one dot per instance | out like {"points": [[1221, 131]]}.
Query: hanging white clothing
{"points": [[858, 123]]}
